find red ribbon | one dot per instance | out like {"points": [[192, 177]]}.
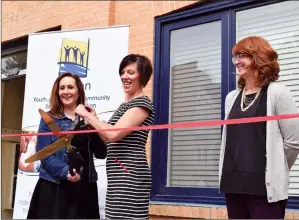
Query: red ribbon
{"points": [[167, 126]]}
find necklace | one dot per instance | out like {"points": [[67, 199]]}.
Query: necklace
{"points": [[248, 101]]}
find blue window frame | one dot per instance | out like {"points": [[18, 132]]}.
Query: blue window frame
{"points": [[209, 11]]}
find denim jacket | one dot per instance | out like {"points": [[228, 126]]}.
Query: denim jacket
{"points": [[55, 167]]}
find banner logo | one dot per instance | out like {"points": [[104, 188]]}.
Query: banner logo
{"points": [[73, 57]]}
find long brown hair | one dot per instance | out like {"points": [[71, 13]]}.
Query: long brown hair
{"points": [[264, 64], [56, 107]]}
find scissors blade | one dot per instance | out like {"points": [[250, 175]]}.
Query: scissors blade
{"points": [[49, 121], [50, 149]]}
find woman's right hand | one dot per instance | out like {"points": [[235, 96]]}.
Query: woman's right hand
{"points": [[90, 110], [74, 178]]}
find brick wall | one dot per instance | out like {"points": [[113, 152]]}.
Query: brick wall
{"points": [[189, 212], [140, 16], [20, 18]]}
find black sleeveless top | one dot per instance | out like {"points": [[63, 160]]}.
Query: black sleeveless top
{"points": [[245, 153]]}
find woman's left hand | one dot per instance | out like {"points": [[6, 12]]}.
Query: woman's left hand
{"points": [[81, 111], [74, 178]]}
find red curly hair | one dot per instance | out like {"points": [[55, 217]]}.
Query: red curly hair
{"points": [[264, 58]]}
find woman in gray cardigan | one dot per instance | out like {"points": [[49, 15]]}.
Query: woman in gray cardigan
{"points": [[256, 158]]}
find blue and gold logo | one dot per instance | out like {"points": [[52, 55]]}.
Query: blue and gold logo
{"points": [[73, 57]]}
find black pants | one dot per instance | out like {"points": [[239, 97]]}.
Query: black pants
{"points": [[245, 206]]}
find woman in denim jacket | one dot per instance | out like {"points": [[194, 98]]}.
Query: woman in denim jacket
{"points": [[57, 194]]}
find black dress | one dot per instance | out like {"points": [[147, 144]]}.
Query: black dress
{"points": [[67, 200]]}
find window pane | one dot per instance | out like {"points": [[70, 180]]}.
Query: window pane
{"points": [[279, 24], [195, 95], [13, 62]]}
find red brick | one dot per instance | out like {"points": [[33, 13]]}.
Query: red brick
{"points": [[213, 213], [222, 213], [206, 213], [296, 215], [289, 215], [138, 5]]}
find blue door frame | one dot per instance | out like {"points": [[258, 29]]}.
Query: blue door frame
{"points": [[209, 11]]}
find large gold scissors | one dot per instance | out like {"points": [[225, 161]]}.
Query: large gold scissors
{"points": [[75, 158]]}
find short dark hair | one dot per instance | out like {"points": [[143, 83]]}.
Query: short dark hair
{"points": [[144, 66]]}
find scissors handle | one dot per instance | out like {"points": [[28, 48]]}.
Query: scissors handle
{"points": [[75, 161]]}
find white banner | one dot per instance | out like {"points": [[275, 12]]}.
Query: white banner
{"points": [[92, 54]]}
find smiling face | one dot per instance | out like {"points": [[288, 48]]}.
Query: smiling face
{"points": [[130, 78], [242, 63], [68, 92]]}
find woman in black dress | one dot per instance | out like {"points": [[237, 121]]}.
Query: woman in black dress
{"points": [[128, 174], [57, 194]]}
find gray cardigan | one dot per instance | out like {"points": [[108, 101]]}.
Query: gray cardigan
{"points": [[282, 140]]}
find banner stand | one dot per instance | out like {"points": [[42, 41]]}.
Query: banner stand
{"points": [[92, 54]]}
